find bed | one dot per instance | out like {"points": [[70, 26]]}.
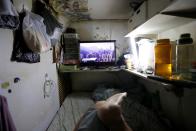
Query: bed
{"points": [[71, 110], [137, 108]]}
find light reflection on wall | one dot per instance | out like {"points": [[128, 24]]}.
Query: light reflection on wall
{"points": [[134, 51]]}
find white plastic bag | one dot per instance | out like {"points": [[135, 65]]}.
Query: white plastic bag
{"points": [[34, 33]]}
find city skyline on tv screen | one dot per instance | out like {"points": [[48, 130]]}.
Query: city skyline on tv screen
{"points": [[97, 52]]}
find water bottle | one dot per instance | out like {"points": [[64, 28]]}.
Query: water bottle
{"points": [[163, 59], [184, 55]]}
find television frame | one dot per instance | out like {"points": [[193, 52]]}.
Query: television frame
{"points": [[99, 64]]}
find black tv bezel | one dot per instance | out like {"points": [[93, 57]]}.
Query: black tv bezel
{"points": [[97, 64]]}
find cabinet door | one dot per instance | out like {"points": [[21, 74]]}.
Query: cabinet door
{"points": [[156, 6], [138, 18]]}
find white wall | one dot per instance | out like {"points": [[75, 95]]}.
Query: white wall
{"points": [[29, 109], [188, 101], [104, 30], [109, 9]]}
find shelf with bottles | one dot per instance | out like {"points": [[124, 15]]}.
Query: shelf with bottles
{"points": [[170, 14]]}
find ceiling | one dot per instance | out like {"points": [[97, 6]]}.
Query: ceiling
{"points": [[109, 9], [93, 9]]}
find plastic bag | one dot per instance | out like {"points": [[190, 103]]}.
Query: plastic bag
{"points": [[21, 53], [34, 33]]}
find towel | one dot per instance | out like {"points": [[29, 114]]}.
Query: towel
{"points": [[6, 122]]}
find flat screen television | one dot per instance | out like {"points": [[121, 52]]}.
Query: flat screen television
{"points": [[97, 53]]}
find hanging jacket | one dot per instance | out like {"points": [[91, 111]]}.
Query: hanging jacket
{"points": [[49, 20], [21, 53]]}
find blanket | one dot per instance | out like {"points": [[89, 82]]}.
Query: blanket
{"points": [[137, 108], [90, 121]]}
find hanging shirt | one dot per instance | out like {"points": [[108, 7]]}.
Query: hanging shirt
{"points": [[6, 122], [8, 15]]}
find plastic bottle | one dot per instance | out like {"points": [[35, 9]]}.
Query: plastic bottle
{"points": [[163, 62], [193, 71], [184, 54]]}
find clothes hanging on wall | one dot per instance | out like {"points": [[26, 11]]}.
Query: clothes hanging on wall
{"points": [[49, 20], [21, 53], [8, 15], [34, 33], [6, 122]]}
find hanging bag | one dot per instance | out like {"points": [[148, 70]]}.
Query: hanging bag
{"points": [[34, 33], [21, 53]]}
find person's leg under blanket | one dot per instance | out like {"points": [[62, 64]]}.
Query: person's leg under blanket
{"points": [[106, 116]]}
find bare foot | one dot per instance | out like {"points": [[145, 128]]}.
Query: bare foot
{"points": [[116, 99], [109, 111]]}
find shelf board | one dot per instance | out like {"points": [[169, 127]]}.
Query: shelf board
{"points": [[89, 70], [145, 77], [168, 18], [164, 81], [182, 8], [158, 80], [179, 5], [159, 23], [136, 73]]}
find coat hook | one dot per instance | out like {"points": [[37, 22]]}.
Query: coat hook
{"points": [[23, 7]]}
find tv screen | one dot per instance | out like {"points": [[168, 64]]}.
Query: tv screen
{"points": [[97, 53]]}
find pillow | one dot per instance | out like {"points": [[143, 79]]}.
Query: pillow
{"points": [[104, 91]]}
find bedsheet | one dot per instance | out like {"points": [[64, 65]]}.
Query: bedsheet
{"points": [[73, 107]]}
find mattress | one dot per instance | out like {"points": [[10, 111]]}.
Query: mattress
{"points": [[73, 107]]}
